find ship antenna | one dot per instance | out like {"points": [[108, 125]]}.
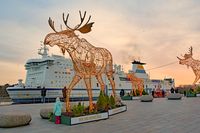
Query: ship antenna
{"points": [[45, 50]]}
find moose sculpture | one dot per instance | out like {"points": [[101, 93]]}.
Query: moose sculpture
{"points": [[137, 83], [190, 62], [87, 59]]}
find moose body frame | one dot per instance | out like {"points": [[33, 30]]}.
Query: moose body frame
{"points": [[87, 59]]}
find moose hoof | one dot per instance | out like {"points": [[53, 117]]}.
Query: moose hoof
{"points": [[14, 119]]}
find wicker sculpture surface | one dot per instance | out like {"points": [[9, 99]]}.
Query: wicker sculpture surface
{"points": [[87, 59]]}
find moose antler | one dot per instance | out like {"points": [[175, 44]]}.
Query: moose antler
{"points": [[85, 28], [51, 24], [190, 50], [65, 21], [189, 53]]}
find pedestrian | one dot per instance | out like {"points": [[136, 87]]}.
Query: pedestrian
{"points": [[152, 93], [163, 93], [43, 94], [122, 92], [184, 93], [172, 90], [57, 110]]}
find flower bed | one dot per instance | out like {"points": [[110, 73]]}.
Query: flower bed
{"points": [[104, 107], [67, 120], [191, 95]]}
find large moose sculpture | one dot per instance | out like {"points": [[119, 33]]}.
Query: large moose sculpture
{"points": [[190, 62], [87, 59]]}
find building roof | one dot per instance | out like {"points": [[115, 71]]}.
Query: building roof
{"points": [[138, 62]]}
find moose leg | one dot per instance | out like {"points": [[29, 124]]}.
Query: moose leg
{"points": [[134, 89], [87, 80], [110, 78], [100, 80], [74, 81], [196, 79]]}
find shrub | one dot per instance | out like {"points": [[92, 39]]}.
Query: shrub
{"points": [[198, 89], [78, 110], [191, 91], [112, 102], [50, 116], [137, 92], [144, 92], [102, 102]]}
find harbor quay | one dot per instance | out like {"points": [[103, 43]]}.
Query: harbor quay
{"points": [[159, 116]]}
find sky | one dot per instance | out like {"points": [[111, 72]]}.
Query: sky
{"points": [[152, 31]]}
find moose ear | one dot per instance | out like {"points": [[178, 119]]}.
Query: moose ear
{"points": [[86, 28]]}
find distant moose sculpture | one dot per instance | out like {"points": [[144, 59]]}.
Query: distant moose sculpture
{"points": [[190, 62], [87, 59], [137, 83]]}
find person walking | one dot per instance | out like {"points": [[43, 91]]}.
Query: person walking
{"points": [[57, 110], [43, 94]]}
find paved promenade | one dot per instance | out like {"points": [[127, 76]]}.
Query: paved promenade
{"points": [[160, 116]]}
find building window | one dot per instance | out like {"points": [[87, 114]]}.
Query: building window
{"points": [[97, 84]]}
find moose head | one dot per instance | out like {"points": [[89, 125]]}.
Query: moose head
{"points": [[64, 38], [187, 60]]}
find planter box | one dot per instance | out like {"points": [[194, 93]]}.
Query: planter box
{"points": [[190, 95], [136, 97], [198, 95], [117, 110], [126, 98], [82, 119]]}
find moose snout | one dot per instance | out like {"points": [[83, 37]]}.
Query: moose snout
{"points": [[46, 41]]}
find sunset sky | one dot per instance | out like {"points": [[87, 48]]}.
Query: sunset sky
{"points": [[153, 31]]}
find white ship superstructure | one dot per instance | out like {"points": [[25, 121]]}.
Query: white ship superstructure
{"points": [[54, 72]]}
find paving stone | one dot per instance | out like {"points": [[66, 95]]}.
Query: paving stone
{"points": [[159, 116]]}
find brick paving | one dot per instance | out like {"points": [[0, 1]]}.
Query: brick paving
{"points": [[159, 116]]}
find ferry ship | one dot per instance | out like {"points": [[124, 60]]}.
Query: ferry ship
{"points": [[54, 72]]}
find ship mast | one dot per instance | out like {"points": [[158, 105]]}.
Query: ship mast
{"points": [[43, 51]]}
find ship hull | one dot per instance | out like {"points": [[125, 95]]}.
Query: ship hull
{"points": [[33, 95]]}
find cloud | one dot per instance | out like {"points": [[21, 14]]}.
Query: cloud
{"points": [[154, 31]]}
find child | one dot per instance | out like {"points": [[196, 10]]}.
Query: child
{"points": [[57, 110]]}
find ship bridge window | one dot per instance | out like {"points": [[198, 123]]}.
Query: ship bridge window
{"points": [[124, 79]]}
